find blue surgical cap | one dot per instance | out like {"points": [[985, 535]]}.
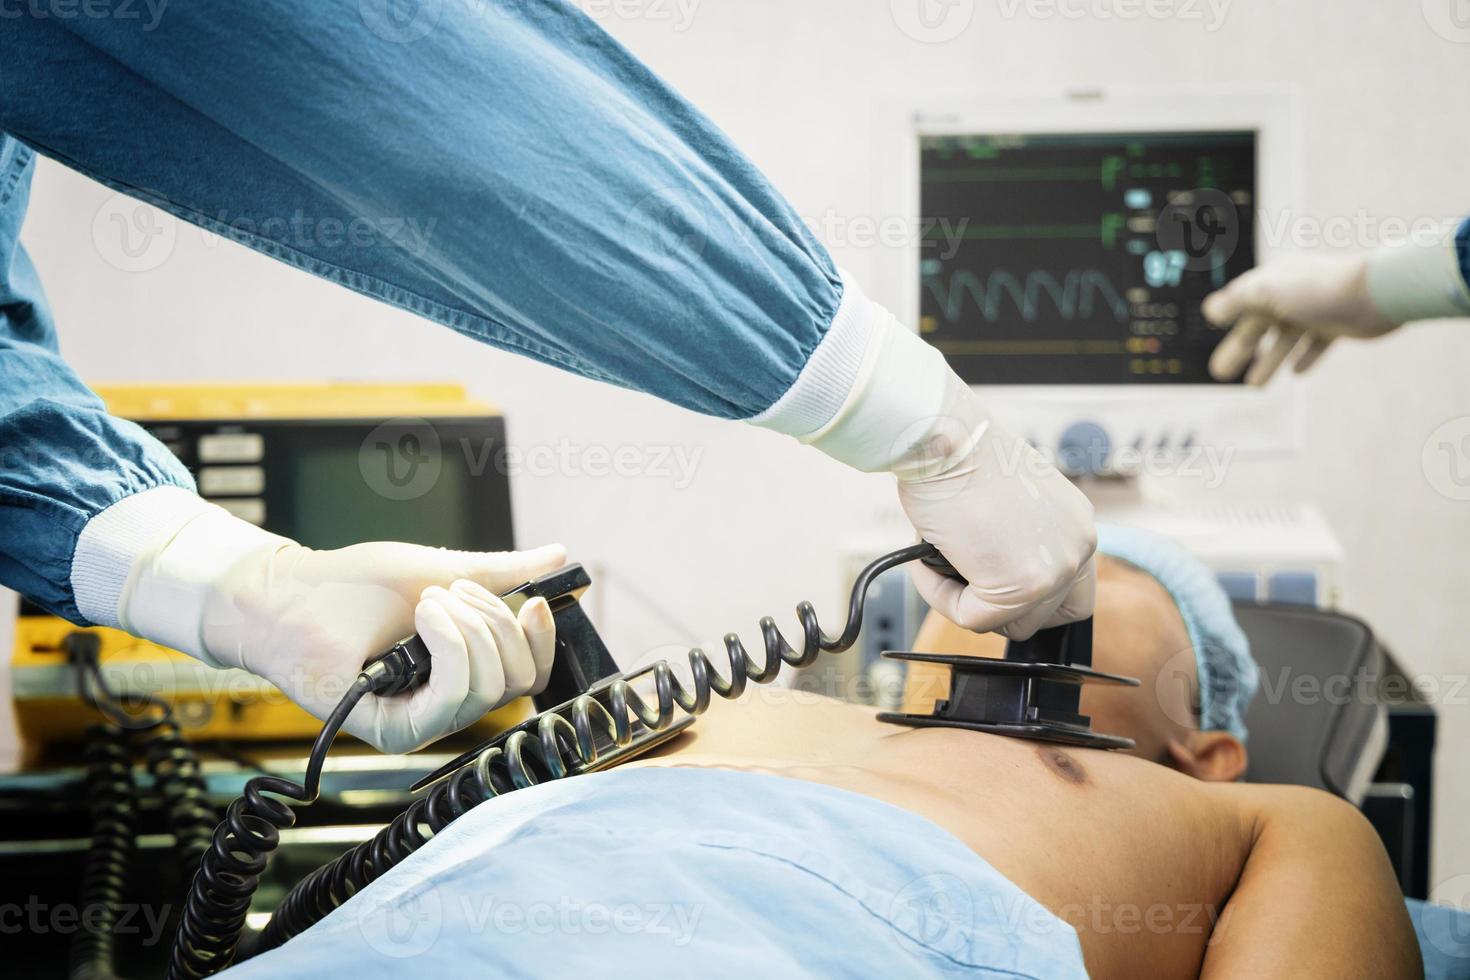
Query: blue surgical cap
{"points": [[1228, 677]]}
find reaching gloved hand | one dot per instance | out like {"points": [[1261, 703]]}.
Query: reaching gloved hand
{"points": [[234, 595], [1301, 304], [1018, 531]]}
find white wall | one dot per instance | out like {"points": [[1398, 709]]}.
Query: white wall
{"points": [[1383, 97]]}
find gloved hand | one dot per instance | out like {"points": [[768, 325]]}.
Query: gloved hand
{"points": [[1303, 303], [1019, 532], [1023, 537], [234, 595]]}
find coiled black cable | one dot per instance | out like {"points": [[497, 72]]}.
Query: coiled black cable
{"points": [[563, 745], [175, 767], [494, 772], [112, 799], [239, 850], [179, 780]]}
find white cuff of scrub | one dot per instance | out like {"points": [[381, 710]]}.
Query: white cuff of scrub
{"points": [[148, 565], [870, 393], [1417, 283]]}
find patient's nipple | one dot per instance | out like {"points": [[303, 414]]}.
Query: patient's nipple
{"points": [[1059, 762]]}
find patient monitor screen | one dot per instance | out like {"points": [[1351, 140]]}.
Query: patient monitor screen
{"points": [[1082, 258], [435, 516]]}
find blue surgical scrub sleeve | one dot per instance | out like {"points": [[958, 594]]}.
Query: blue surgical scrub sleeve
{"points": [[508, 170], [65, 458]]}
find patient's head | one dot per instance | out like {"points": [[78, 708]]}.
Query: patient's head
{"points": [[1160, 617]]}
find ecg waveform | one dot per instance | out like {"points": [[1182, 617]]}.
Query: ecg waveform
{"points": [[1076, 296]]}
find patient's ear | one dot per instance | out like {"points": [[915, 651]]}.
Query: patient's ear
{"points": [[1216, 757]]}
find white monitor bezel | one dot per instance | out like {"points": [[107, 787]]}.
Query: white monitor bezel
{"points": [[1230, 412]]}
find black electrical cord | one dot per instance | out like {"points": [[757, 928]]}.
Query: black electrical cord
{"points": [[174, 765], [84, 649], [562, 746], [112, 798], [221, 860], [229, 874], [241, 846], [144, 722], [179, 779]]}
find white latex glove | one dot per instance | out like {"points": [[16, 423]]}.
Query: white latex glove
{"points": [[1015, 527], [1300, 304], [234, 595], [1020, 533], [1293, 309]]}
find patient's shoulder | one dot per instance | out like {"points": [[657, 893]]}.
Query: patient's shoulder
{"points": [[1267, 805]]}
